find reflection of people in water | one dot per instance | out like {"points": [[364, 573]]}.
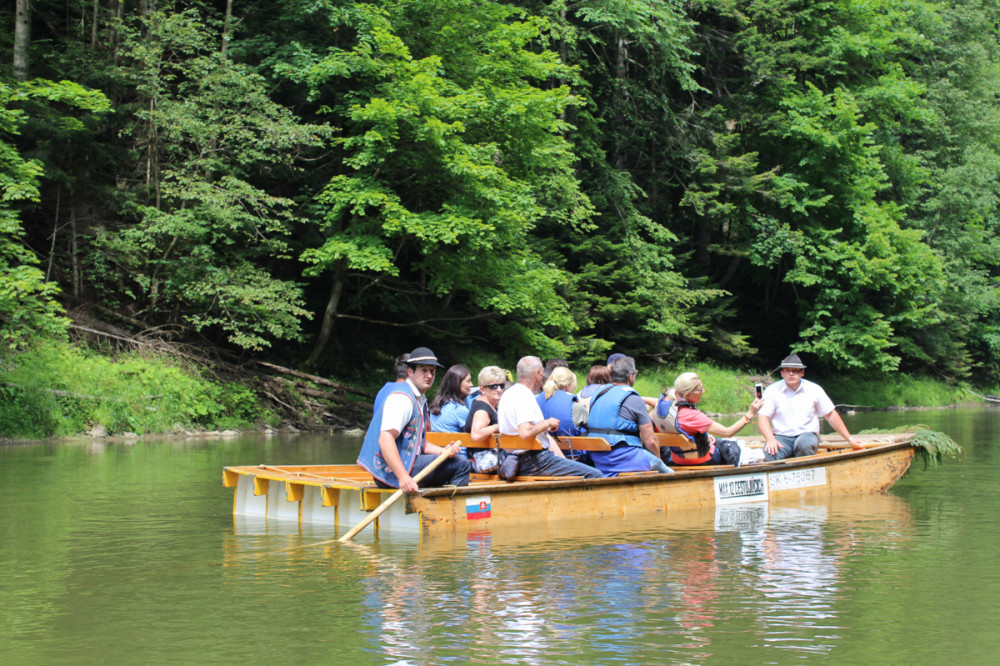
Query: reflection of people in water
{"points": [[699, 565], [799, 577]]}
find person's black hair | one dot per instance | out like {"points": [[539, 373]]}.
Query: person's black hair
{"points": [[451, 388]]}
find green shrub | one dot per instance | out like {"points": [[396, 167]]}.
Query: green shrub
{"points": [[58, 389]]}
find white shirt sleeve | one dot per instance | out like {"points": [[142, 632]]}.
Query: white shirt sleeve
{"points": [[396, 413]]}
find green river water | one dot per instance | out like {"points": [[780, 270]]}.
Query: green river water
{"points": [[127, 553]]}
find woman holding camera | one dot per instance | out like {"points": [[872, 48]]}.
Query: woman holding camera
{"points": [[677, 411]]}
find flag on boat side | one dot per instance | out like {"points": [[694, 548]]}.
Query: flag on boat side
{"points": [[477, 508]]}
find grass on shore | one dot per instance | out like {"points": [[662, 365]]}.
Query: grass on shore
{"points": [[59, 389], [730, 391]]}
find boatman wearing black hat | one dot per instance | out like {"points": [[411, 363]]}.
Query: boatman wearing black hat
{"points": [[789, 418], [395, 447]]}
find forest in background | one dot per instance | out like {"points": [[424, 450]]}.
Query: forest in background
{"points": [[328, 183]]}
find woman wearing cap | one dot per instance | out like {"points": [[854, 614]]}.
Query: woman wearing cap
{"points": [[678, 412], [448, 410]]}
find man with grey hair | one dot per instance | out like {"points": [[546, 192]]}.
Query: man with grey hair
{"points": [[619, 415], [520, 415]]}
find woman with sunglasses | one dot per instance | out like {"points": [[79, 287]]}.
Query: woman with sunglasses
{"points": [[482, 420]]}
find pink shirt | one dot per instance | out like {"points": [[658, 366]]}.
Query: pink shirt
{"points": [[693, 421]]}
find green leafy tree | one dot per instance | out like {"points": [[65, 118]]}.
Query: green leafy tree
{"points": [[811, 104], [453, 153], [28, 305], [201, 233], [957, 205]]}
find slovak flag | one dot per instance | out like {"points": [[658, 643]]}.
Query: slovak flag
{"points": [[477, 508]]}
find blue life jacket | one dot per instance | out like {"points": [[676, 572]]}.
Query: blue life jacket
{"points": [[560, 406], [605, 417], [410, 441], [667, 411]]}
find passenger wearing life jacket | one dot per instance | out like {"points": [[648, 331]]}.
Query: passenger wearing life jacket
{"points": [[557, 400], [395, 447], [678, 412], [620, 416]]}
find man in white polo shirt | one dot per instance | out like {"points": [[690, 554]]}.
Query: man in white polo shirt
{"points": [[519, 415], [789, 418]]}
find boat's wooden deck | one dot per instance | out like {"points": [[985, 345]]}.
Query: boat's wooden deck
{"points": [[355, 477]]}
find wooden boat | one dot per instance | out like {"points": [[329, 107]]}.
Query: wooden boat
{"points": [[342, 495]]}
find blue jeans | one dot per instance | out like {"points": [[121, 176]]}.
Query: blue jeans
{"points": [[546, 463], [452, 472], [794, 446], [656, 463]]}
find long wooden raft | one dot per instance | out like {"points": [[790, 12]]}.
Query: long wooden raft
{"points": [[342, 495]]}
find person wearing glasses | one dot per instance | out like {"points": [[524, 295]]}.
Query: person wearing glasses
{"points": [[677, 411], [789, 418], [481, 421]]}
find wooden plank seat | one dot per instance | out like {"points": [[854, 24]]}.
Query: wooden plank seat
{"points": [[515, 442]]}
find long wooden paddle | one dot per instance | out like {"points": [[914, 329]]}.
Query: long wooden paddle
{"points": [[393, 498]]}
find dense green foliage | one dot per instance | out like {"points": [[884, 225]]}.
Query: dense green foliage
{"points": [[57, 389], [723, 179]]}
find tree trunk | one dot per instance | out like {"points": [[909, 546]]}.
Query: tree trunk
{"points": [[119, 9], [93, 25], [226, 26], [55, 235], [328, 315], [621, 74], [74, 258], [22, 39]]}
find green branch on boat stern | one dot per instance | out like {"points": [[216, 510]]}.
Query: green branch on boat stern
{"points": [[931, 445]]}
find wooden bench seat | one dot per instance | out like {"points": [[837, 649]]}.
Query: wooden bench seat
{"points": [[513, 442]]}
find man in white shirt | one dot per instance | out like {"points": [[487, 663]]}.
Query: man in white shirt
{"points": [[395, 448], [789, 418], [519, 414]]}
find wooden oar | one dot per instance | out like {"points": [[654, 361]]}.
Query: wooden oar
{"points": [[392, 498]]}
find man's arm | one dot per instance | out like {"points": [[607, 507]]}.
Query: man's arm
{"points": [[648, 436], [764, 425], [529, 430], [387, 445], [837, 423]]}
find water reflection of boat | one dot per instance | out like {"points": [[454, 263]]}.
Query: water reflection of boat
{"points": [[343, 494]]}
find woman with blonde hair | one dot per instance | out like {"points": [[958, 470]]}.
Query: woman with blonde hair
{"points": [[677, 411], [556, 400], [482, 419]]}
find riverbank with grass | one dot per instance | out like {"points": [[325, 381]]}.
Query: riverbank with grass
{"points": [[58, 389], [61, 389]]}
